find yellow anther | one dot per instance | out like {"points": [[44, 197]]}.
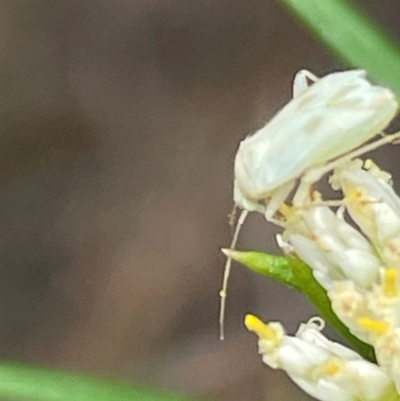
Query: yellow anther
{"points": [[373, 168], [332, 368], [265, 332], [354, 194], [357, 198], [321, 244], [286, 210], [316, 196], [377, 326], [390, 285], [369, 164]]}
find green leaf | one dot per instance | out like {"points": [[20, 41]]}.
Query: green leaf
{"points": [[28, 383], [296, 274], [352, 35]]}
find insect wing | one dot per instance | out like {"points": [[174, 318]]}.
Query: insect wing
{"points": [[335, 115]]}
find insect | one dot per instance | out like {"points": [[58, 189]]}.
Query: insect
{"points": [[307, 138]]}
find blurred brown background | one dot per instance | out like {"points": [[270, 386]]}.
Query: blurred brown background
{"points": [[119, 124]]}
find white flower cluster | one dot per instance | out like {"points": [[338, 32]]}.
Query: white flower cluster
{"points": [[360, 269], [322, 129]]}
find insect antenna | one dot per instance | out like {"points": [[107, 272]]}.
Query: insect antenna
{"points": [[227, 271]]}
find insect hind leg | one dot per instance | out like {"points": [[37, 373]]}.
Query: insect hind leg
{"points": [[313, 175]]}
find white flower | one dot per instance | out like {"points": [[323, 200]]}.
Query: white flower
{"points": [[373, 205], [360, 269], [350, 305], [361, 283], [335, 250], [324, 369]]}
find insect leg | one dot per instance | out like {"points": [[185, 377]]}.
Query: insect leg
{"points": [[301, 82], [278, 197], [313, 175]]}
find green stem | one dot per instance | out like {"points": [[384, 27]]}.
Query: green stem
{"points": [[352, 35], [296, 274]]}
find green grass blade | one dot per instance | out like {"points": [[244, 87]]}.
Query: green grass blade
{"points": [[28, 383], [351, 35]]}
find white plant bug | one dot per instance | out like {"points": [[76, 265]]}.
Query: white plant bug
{"points": [[321, 127]]}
